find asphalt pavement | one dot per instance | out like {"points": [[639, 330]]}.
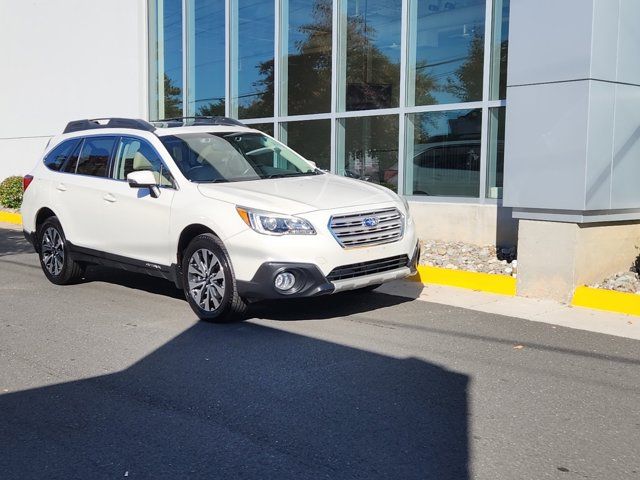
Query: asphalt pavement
{"points": [[114, 377]]}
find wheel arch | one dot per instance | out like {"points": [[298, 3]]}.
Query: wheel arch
{"points": [[189, 233], [42, 215]]}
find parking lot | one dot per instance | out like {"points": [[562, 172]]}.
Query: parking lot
{"points": [[114, 377]]}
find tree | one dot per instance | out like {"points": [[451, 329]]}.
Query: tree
{"points": [[172, 99]]}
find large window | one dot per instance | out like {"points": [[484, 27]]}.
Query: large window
{"points": [[500, 50], [206, 57], [446, 51], [166, 59], [311, 139], [443, 157], [252, 58], [306, 73], [409, 94], [371, 149], [372, 54]]}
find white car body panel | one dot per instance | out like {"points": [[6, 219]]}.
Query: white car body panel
{"points": [[109, 216]]}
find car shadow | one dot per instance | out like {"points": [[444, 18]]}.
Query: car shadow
{"points": [[325, 307], [244, 401], [12, 242]]}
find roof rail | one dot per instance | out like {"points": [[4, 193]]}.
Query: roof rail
{"points": [[91, 124], [199, 120]]}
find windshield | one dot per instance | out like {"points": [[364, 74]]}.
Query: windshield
{"points": [[232, 157]]}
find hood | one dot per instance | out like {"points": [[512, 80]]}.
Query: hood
{"points": [[299, 194]]}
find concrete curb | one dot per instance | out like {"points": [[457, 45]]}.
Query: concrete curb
{"points": [[483, 282], [10, 217], [609, 300]]}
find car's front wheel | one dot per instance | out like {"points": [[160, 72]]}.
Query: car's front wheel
{"points": [[208, 281], [56, 263]]}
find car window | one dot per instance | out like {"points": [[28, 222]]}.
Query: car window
{"points": [[233, 157], [72, 161], [94, 159], [57, 157], [134, 155]]}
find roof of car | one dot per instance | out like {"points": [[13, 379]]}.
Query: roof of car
{"points": [[161, 132], [159, 127]]}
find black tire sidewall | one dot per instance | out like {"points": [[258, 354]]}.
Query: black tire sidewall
{"points": [[55, 223], [212, 243]]}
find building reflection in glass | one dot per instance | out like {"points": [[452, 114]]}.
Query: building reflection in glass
{"points": [[443, 158]]}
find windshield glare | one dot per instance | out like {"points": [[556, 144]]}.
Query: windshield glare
{"points": [[232, 157]]}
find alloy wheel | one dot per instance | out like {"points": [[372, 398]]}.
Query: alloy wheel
{"points": [[53, 251], [206, 279]]}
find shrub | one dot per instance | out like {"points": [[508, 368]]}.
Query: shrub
{"points": [[11, 192]]}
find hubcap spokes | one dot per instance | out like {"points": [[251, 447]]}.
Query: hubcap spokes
{"points": [[206, 279], [52, 251]]}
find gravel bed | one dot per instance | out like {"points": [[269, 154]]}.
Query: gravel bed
{"points": [[621, 282], [469, 257]]}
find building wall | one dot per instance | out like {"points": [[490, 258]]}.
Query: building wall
{"points": [[63, 61], [573, 123]]}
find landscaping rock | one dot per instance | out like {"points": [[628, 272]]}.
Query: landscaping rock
{"points": [[469, 257]]}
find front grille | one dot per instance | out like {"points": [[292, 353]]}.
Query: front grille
{"points": [[350, 230], [368, 268]]}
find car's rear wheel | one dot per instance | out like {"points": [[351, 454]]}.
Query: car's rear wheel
{"points": [[56, 263], [209, 282]]}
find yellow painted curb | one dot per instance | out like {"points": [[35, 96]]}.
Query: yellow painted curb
{"points": [[484, 282], [609, 300], [10, 217]]}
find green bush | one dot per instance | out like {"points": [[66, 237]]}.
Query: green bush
{"points": [[11, 192]]}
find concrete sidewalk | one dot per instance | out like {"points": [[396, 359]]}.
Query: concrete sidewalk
{"points": [[545, 311]]}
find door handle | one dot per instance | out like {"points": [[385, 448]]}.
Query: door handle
{"points": [[61, 187], [109, 198]]}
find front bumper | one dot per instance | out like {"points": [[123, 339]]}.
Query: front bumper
{"points": [[311, 282]]}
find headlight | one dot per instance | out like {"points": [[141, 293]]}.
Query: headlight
{"points": [[275, 223]]}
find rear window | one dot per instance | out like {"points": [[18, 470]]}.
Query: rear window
{"points": [[94, 159], [57, 157]]}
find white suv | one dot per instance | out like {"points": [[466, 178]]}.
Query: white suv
{"points": [[226, 212]]}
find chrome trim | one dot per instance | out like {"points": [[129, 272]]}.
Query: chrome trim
{"points": [[349, 231]]}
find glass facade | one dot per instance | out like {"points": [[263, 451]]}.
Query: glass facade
{"points": [[409, 94]]}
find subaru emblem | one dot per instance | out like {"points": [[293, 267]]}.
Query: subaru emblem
{"points": [[370, 222]]}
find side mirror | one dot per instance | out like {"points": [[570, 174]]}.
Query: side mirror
{"points": [[144, 179], [313, 164]]}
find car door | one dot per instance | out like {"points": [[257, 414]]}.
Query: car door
{"points": [[79, 190], [134, 222]]}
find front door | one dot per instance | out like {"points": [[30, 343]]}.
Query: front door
{"points": [[136, 224]]}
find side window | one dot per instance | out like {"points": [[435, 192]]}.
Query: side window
{"points": [[94, 159], [133, 155], [57, 157], [72, 161]]}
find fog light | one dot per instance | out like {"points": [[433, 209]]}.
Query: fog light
{"points": [[285, 281]]}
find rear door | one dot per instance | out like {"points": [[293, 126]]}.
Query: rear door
{"points": [[80, 188]]}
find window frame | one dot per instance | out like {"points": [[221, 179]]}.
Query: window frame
{"points": [[109, 160], [112, 166], [75, 141]]}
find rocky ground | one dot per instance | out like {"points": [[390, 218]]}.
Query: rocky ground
{"points": [[468, 257], [628, 282]]}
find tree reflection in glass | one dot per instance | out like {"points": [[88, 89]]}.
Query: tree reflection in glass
{"points": [[447, 46], [308, 65]]}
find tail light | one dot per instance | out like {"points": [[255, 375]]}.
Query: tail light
{"points": [[26, 181]]}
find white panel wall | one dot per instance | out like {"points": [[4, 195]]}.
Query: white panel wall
{"points": [[62, 60]]}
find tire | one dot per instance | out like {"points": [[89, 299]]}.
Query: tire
{"points": [[205, 263], [56, 263]]}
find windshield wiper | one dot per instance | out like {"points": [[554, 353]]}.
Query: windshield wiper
{"points": [[294, 174], [217, 180]]}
